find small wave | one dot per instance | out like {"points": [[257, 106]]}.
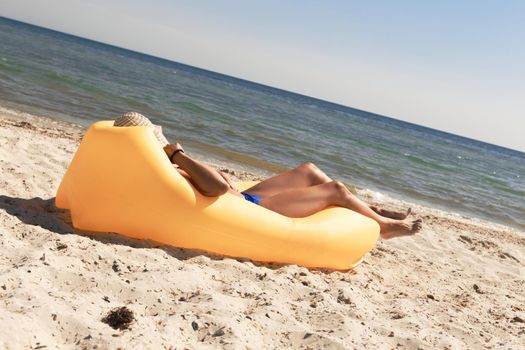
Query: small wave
{"points": [[192, 107], [427, 163], [501, 185], [269, 140], [511, 191], [54, 79], [133, 103], [374, 146], [9, 68]]}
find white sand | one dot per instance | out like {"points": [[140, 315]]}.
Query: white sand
{"points": [[457, 285]]}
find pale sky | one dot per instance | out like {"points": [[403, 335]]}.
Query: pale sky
{"points": [[457, 66]]}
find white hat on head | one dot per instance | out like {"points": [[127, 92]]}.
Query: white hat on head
{"points": [[137, 119]]}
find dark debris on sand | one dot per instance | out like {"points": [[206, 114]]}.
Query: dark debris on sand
{"points": [[119, 318]]}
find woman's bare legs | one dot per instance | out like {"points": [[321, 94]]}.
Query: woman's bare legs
{"points": [[398, 215], [301, 202], [304, 176]]}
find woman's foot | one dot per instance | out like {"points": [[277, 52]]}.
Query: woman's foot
{"points": [[397, 228], [397, 215]]}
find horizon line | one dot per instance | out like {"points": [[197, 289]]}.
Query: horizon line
{"points": [[264, 85]]}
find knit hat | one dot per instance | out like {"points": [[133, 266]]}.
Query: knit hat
{"points": [[137, 119]]}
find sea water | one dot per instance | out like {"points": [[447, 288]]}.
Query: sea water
{"points": [[58, 75]]}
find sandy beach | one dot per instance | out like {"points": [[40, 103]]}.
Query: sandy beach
{"points": [[458, 284]]}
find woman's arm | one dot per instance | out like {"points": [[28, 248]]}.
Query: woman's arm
{"points": [[228, 181], [207, 180]]}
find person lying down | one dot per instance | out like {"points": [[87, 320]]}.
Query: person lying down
{"points": [[296, 193]]}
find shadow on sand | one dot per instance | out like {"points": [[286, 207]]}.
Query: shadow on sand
{"points": [[42, 212]]}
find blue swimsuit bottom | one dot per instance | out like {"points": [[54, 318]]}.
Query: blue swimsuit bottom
{"points": [[251, 197]]}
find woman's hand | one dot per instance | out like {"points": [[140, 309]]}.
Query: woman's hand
{"points": [[207, 180], [172, 147]]}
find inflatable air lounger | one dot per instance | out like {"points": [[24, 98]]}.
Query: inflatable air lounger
{"points": [[120, 180]]}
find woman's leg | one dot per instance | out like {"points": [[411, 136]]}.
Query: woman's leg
{"points": [[307, 175], [307, 201], [398, 215]]}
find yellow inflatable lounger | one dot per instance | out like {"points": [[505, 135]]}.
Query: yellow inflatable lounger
{"points": [[120, 180]]}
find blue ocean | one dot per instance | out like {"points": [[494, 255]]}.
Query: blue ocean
{"points": [[69, 78]]}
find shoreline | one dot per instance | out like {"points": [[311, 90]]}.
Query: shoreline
{"points": [[241, 172], [457, 284]]}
